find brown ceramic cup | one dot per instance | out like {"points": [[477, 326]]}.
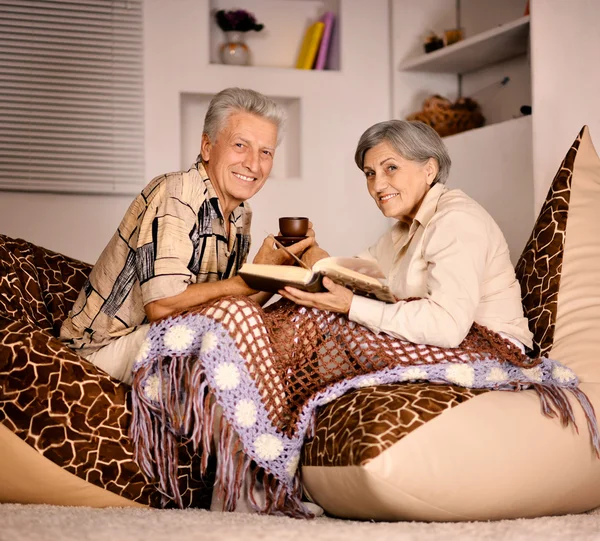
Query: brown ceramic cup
{"points": [[293, 226]]}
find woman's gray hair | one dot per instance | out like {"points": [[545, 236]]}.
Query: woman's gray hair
{"points": [[232, 100], [413, 140]]}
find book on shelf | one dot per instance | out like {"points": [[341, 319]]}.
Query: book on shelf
{"points": [[362, 276], [328, 20], [310, 45]]}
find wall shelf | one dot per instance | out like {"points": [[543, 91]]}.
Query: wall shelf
{"points": [[487, 129], [502, 43], [278, 44]]}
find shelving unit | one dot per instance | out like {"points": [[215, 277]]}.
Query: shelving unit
{"points": [[493, 164], [498, 44], [480, 63], [278, 44], [487, 130]]}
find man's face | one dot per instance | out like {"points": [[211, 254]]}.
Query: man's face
{"points": [[240, 160]]}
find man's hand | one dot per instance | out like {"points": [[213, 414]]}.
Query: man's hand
{"points": [[195, 295], [269, 254], [314, 254], [337, 299]]}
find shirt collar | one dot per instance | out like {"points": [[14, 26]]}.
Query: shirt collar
{"points": [[236, 215], [424, 214], [429, 204]]}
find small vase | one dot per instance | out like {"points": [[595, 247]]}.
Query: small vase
{"points": [[234, 51]]}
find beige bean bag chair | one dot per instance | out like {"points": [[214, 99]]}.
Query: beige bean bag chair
{"points": [[440, 453]]}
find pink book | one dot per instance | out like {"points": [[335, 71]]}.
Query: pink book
{"points": [[328, 19]]}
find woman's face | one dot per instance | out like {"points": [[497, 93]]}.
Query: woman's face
{"points": [[397, 185]]}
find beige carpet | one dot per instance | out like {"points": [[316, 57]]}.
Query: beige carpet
{"points": [[44, 522]]}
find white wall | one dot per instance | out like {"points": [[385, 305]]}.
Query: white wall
{"points": [[493, 165], [336, 107], [565, 42], [76, 225], [498, 102], [412, 20]]}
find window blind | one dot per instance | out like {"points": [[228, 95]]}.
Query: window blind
{"points": [[71, 96]]}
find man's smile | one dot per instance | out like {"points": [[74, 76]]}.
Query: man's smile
{"points": [[244, 177]]}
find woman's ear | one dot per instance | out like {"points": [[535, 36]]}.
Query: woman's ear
{"points": [[431, 170], [205, 148]]}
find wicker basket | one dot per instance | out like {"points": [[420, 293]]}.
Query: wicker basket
{"points": [[448, 118]]}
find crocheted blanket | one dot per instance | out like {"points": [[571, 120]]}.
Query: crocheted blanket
{"points": [[270, 370]]}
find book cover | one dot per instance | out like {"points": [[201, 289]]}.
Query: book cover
{"points": [[363, 277], [328, 20], [310, 45]]}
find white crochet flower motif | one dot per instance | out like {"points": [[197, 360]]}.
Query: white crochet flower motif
{"points": [[461, 374], [209, 342], [413, 373], [563, 374], [227, 376], [497, 375], [144, 350], [152, 387], [534, 374], [368, 382], [179, 337], [292, 465], [268, 447], [245, 413]]}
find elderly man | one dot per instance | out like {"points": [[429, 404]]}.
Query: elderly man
{"points": [[183, 239]]}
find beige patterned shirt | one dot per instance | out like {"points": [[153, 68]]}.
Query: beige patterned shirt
{"points": [[172, 235], [454, 256]]}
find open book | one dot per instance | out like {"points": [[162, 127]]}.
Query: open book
{"points": [[363, 277]]}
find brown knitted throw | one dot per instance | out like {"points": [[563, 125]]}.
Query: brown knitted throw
{"points": [[269, 371]]}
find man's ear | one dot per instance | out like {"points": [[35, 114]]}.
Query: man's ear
{"points": [[431, 170], [205, 147]]}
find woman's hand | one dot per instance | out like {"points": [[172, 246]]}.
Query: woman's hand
{"points": [[336, 299]]}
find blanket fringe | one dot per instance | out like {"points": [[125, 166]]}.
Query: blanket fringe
{"points": [[232, 477], [555, 402], [590, 417], [279, 499], [185, 405], [156, 428]]}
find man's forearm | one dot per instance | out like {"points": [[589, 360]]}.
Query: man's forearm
{"points": [[197, 294], [262, 297]]}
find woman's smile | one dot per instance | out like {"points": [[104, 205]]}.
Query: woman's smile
{"points": [[387, 197]]}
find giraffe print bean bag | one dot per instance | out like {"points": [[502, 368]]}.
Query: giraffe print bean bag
{"points": [[64, 422], [394, 452], [433, 453]]}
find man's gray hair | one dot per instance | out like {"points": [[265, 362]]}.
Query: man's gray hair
{"points": [[413, 140], [232, 100]]}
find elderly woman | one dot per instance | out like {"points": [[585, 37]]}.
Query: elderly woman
{"points": [[445, 248]]}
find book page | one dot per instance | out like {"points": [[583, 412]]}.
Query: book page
{"points": [[354, 264], [345, 271], [283, 273], [360, 284]]}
